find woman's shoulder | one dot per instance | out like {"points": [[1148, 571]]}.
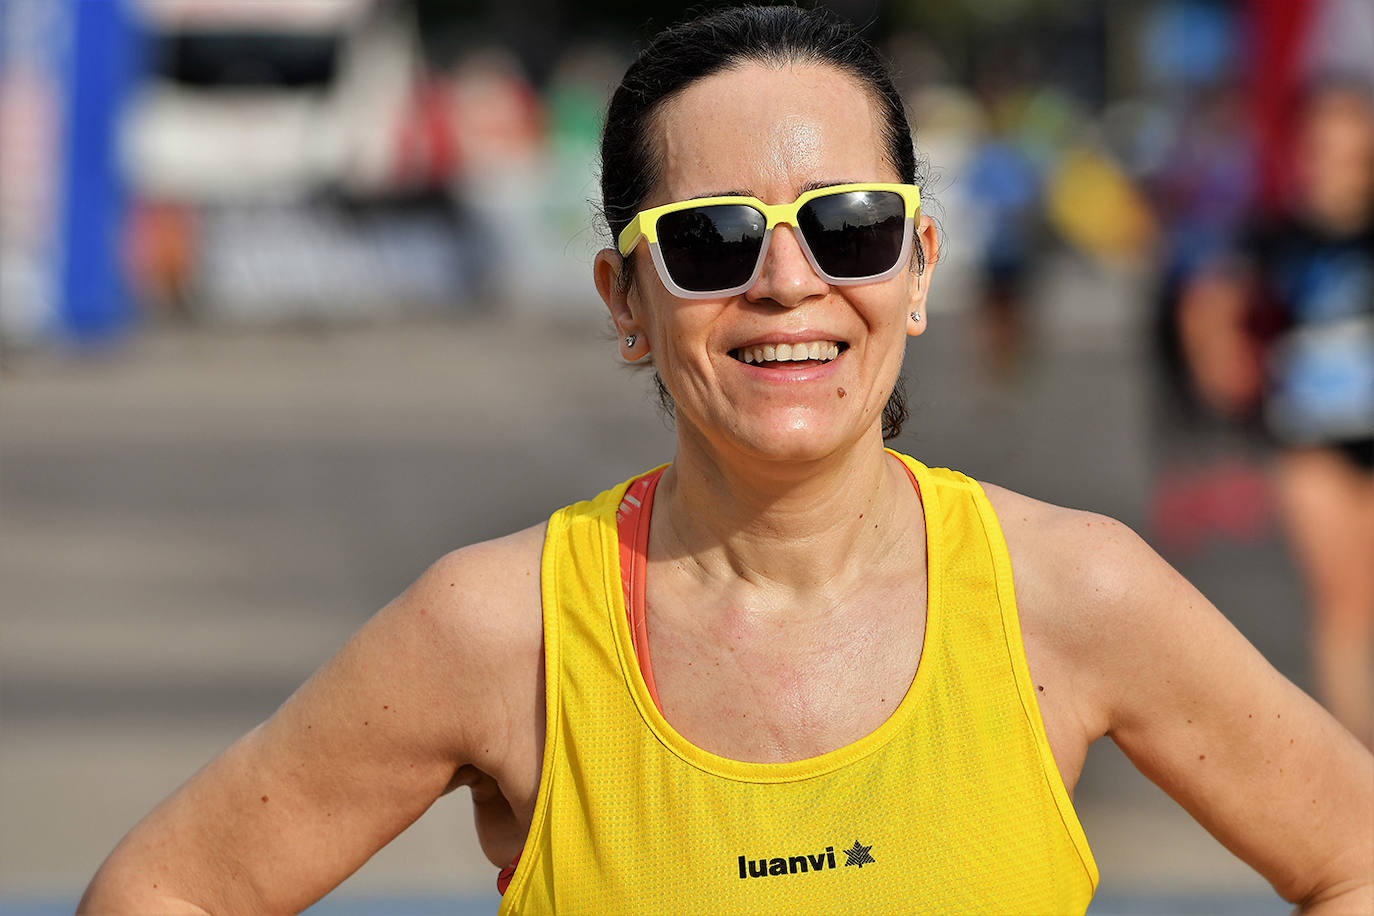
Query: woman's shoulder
{"points": [[1090, 592], [467, 622], [469, 631], [488, 590], [1099, 603], [469, 625], [1073, 552]]}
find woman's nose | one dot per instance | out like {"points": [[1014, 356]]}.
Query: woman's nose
{"points": [[787, 277]]}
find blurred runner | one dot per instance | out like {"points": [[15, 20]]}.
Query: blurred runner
{"points": [[1006, 183], [1211, 481], [1286, 329]]}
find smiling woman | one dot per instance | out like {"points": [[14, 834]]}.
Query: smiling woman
{"points": [[789, 129], [790, 642]]}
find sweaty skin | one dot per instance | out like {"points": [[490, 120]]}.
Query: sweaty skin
{"points": [[783, 531], [794, 145]]}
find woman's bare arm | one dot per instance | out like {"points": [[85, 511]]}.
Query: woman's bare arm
{"points": [[1195, 707], [1223, 362], [431, 684]]}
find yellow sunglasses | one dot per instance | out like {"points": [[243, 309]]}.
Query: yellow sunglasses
{"points": [[710, 247]]}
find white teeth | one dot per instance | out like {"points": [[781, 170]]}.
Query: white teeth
{"points": [[823, 350]]}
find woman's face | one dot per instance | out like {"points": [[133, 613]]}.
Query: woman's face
{"points": [[772, 133]]}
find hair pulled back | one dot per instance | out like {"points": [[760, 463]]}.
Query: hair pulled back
{"points": [[678, 57]]}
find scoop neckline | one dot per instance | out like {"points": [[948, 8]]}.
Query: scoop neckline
{"points": [[806, 767]]}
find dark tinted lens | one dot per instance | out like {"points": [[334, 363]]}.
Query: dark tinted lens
{"points": [[711, 248], [856, 233]]}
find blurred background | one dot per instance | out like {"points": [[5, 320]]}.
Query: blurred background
{"points": [[295, 296]]}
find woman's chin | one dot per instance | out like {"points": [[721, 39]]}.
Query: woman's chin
{"points": [[795, 439]]}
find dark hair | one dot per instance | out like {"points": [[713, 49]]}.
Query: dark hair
{"points": [[1326, 83], [718, 41]]}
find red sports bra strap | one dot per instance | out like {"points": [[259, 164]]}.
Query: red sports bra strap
{"points": [[632, 528]]}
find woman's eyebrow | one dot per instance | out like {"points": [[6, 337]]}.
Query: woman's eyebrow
{"points": [[734, 192], [744, 192], [825, 183]]}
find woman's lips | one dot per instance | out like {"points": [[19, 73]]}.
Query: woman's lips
{"points": [[797, 367], [788, 355]]}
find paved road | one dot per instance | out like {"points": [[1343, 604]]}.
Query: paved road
{"points": [[189, 525]]}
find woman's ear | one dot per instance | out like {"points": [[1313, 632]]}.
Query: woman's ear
{"points": [[607, 271], [928, 238]]}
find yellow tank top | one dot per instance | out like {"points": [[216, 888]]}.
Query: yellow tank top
{"points": [[954, 804]]}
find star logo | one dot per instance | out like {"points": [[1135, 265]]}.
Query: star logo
{"points": [[858, 855]]}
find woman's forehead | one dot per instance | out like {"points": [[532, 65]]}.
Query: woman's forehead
{"points": [[768, 131]]}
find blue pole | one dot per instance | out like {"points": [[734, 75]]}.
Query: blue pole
{"points": [[95, 303]]}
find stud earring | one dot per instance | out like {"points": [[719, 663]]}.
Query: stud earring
{"points": [[916, 316], [630, 340]]}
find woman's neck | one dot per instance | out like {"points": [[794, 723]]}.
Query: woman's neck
{"points": [[796, 525]]}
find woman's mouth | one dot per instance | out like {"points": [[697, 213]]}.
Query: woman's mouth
{"points": [[787, 355]]}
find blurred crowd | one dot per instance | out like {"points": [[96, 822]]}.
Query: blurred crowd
{"points": [[271, 160], [228, 162]]}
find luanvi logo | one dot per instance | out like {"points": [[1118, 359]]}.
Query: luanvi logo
{"points": [[858, 855]]}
